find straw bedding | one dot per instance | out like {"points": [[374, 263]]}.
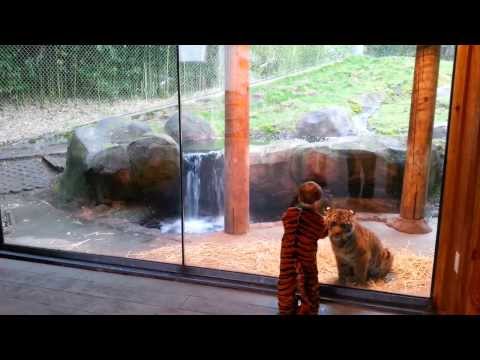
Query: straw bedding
{"points": [[258, 252]]}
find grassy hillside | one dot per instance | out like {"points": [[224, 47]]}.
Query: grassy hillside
{"points": [[277, 106]]}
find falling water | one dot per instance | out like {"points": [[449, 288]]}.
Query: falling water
{"points": [[203, 198], [370, 104], [192, 192]]}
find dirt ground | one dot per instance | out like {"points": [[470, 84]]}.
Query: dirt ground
{"points": [[33, 120]]}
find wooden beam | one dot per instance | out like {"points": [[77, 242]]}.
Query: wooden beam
{"points": [[417, 162], [457, 266], [237, 177]]}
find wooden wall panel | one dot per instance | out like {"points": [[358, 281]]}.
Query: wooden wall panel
{"points": [[457, 292]]}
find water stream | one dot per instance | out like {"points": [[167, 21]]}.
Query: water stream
{"points": [[370, 105], [203, 195]]}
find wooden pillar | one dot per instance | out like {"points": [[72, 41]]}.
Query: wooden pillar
{"points": [[417, 162], [237, 172], [456, 283]]}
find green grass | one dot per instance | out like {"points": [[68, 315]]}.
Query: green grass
{"points": [[276, 107]]}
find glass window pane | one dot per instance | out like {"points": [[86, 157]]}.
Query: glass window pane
{"points": [[86, 163], [336, 115]]}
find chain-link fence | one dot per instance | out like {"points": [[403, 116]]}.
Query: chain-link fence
{"points": [[40, 73], [271, 61], [447, 52]]}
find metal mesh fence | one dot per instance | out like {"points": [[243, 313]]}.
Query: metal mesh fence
{"points": [[447, 52], [39, 73], [95, 72], [55, 73], [271, 61]]}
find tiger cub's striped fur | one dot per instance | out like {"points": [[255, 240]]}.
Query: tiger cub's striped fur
{"points": [[359, 254]]}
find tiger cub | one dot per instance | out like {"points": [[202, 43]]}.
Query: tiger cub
{"points": [[359, 253]]}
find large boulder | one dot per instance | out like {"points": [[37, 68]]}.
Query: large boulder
{"points": [[443, 99], [119, 159], [437, 165], [367, 171], [440, 132], [194, 128], [272, 185], [360, 167], [329, 122]]}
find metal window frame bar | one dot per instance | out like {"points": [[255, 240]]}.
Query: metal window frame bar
{"points": [[180, 145]]}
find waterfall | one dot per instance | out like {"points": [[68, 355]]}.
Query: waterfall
{"points": [[193, 182], [203, 184], [203, 195]]}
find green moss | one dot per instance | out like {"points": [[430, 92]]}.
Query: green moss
{"points": [[157, 127], [68, 135], [56, 187], [355, 106], [109, 145]]}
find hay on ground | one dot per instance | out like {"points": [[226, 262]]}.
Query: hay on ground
{"points": [[258, 252]]}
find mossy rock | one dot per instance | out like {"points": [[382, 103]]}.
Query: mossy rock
{"points": [[102, 166]]}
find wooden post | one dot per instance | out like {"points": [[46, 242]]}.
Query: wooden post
{"points": [[417, 162], [237, 176], [456, 283]]}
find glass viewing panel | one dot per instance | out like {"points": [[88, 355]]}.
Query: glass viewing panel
{"points": [[336, 115], [86, 165], [257, 121]]}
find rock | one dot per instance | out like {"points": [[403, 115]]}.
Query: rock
{"points": [[440, 132], [155, 168], [110, 160], [443, 92], [272, 186], [369, 206], [436, 168], [365, 171], [366, 166], [443, 97], [194, 128], [328, 122], [117, 159]]}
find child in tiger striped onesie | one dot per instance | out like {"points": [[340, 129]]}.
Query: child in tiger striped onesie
{"points": [[303, 226]]}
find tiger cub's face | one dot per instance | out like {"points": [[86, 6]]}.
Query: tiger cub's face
{"points": [[340, 223]]}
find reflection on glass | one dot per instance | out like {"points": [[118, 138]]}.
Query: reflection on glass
{"points": [[86, 164]]}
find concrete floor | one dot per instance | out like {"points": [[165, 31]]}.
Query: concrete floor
{"points": [[37, 289]]}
